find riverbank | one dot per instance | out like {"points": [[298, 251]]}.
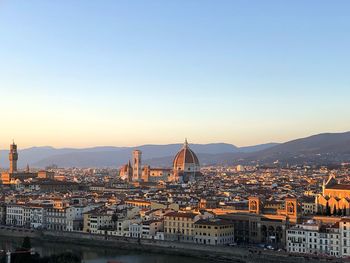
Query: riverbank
{"points": [[217, 253]]}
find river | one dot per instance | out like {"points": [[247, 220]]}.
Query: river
{"points": [[98, 254]]}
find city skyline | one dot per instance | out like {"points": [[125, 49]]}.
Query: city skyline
{"points": [[83, 74]]}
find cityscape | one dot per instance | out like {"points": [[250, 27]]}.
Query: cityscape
{"points": [[191, 131], [275, 210]]}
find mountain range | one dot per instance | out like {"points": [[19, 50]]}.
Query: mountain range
{"points": [[327, 148]]}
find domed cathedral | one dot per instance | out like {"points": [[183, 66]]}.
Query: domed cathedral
{"points": [[186, 166], [185, 169]]}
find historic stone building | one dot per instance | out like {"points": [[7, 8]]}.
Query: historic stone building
{"points": [[186, 168], [263, 222], [335, 198], [13, 175]]}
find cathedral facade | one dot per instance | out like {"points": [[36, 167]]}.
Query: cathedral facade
{"points": [[186, 168]]}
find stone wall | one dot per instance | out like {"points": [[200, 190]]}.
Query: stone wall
{"points": [[215, 253]]}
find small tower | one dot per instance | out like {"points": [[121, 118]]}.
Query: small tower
{"points": [[292, 209], [137, 165], [13, 157], [255, 205]]}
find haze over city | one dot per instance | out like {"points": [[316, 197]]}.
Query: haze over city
{"points": [[121, 73]]}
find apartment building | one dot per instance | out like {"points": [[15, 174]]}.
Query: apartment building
{"points": [[213, 232], [314, 238], [179, 226]]}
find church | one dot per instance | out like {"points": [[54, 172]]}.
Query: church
{"points": [[335, 197], [186, 168]]}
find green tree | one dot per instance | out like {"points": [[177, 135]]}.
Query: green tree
{"points": [[340, 212], [26, 243], [328, 210]]}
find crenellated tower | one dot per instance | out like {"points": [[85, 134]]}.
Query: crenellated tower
{"points": [[13, 158]]}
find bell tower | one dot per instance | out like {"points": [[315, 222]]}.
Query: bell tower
{"points": [[137, 163], [292, 209], [255, 205], [13, 157]]}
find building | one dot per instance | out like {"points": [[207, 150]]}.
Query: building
{"points": [[214, 232], [15, 177], [344, 227], [308, 205], [263, 222], [97, 221], [126, 172], [150, 228], [314, 238], [15, 215], [156, 174], [179, 226], [35, 216], [186, 168], [75, 218], [56, 219], [135, 230], [2, 214], [335, 198]]}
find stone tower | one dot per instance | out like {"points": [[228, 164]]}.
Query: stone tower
{"points": [[137, 165], [255, 205], [13, 157]]}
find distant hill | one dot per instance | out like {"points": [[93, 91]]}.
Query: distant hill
{"points": [[326, 148], [160, 155]]}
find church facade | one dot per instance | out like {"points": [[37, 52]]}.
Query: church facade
{"points": [[335, 198]]}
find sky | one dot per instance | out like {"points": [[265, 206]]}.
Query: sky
{"points": [[121, 73]]}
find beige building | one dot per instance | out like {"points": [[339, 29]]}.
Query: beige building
{"points": [[97, 222], [179, 226], [214, 232]]}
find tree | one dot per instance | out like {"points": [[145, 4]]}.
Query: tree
{"points": [[26, 243], [114, 218], [340, 212], [328, 210]]}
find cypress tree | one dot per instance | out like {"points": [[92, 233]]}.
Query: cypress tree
{"points": [[328, 210]]}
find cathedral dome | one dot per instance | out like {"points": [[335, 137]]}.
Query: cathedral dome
{"points": [[186, 160]]}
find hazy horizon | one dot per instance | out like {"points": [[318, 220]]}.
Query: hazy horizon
{"points": [[85, 73], [169, 143]]}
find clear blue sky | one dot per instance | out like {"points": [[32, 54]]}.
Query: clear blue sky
{"points": [[85, 73]]}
